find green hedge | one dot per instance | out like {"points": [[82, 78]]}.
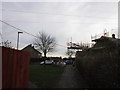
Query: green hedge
{"points": [[36, 60]]}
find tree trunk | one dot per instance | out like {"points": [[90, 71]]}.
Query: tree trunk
{"points": [[44, 56]]}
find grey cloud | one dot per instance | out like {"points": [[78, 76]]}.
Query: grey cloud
{"points": [[62, 20]]}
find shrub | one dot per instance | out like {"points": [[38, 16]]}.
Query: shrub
{"points": [[100, 67]]}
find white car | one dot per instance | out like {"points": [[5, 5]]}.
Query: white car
{"points": [[41, 63], [47, 62]]}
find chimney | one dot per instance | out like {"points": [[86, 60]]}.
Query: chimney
{"points": [[113, 36], [30, 44]]}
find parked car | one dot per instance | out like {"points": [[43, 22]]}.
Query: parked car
{"points": [[60, 63], [47, 62], [68, 62], [41, 63]]}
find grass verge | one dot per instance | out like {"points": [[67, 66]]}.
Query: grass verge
{"points": [[45, 76]]}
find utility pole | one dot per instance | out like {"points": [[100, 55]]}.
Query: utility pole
{"points": [[18, 39]]}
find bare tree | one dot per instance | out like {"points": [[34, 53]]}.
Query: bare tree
{"points": [[45, 43], [6, 43]]}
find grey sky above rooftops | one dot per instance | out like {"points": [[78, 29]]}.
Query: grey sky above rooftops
{"points": [[62, 20]]}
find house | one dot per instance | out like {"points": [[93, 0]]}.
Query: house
{"points": [[102, 44], [106, 42], [33, 52]]}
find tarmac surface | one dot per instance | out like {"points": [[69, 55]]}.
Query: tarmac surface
{"points": [[71, 78]]}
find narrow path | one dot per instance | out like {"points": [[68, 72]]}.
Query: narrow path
{"points": [[71, 79]]}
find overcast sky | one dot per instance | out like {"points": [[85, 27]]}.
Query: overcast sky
{"points": [[62, 20]]}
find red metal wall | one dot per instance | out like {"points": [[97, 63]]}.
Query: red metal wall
{"points": [[15, 67]]}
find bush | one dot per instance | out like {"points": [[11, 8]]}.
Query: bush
{"points": [[33, 60], [100, 68]]}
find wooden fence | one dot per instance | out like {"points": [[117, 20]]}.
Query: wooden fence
{"points": [[15, 68]]}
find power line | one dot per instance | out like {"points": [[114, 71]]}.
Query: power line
{"points": [[17, 28], [64, 22], [57, 14], [23, 30]]}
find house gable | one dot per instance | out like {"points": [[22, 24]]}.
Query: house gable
{"points": [[33, 52]]}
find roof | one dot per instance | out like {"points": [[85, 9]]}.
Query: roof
{"points": [[32, 48], [106, 42], [103, 38]]}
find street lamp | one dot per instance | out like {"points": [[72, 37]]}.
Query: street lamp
{"points": [[18, 39]]}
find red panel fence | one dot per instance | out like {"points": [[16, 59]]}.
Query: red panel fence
{"points": [[15, 67]]}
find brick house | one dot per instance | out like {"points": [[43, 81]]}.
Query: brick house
{"points": [[33, 52]]}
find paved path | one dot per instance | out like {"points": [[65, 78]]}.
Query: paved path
{"points": [[71, 79]]}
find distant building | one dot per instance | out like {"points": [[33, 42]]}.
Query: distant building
{"points": [[33, 52]]}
